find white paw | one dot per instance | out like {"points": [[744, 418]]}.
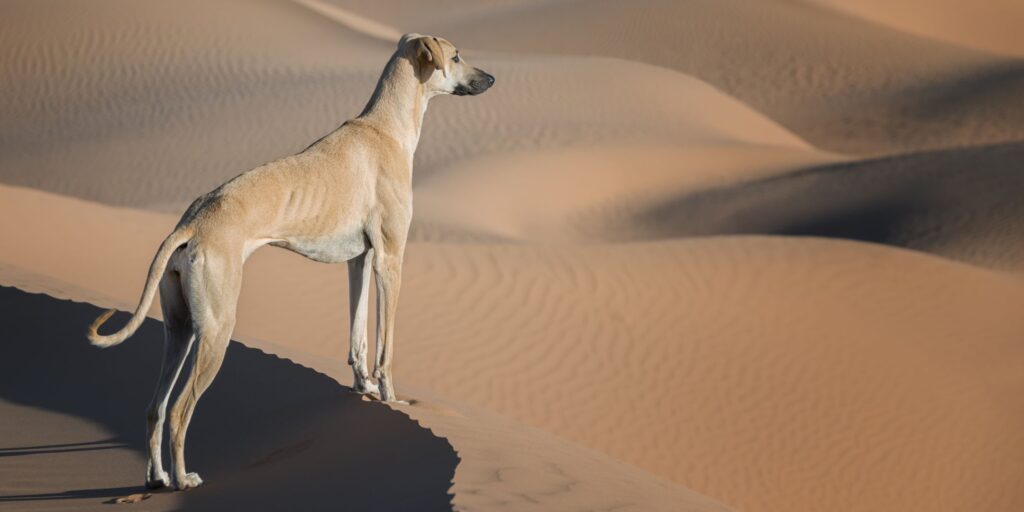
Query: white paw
{"points": [[189, 481], [389, 396], [367, 387], [161, 480]]}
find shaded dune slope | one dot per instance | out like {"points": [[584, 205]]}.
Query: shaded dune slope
{"points": [[964, 204], [587, 193], [959, 203], [268, 433]]}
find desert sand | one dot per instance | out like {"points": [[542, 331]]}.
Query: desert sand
{"points": [[703, 255]]}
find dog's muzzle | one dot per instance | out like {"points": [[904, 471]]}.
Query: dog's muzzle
{"points": [[477, 85]]}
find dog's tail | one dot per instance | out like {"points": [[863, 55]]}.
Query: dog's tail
{"points": [[176, 239]]}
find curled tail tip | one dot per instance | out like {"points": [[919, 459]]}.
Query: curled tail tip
{"points": [[95, 337], [180, 236]]}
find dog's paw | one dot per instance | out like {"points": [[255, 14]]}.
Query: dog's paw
{"points": [[158, 481], [388, 395], [366, 387], [189, 481]]}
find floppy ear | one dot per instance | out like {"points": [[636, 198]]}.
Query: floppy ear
{"points": [[429, 53], [406, 38]]}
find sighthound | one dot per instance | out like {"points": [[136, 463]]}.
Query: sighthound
{"points": [[347, 197]]}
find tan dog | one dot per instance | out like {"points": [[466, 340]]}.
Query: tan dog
{"points": [[348, 197]]}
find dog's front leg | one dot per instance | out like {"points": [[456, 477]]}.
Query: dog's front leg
{"points": [[388, 269], [358, 296]]}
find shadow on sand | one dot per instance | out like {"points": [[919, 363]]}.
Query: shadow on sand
{"points": [[269, 434], [921, 201]]}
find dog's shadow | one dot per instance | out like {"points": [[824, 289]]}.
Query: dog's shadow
{"points": [[269, 434]]}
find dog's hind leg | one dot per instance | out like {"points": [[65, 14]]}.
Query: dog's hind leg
{"points": [[358, 296], [177, 341], [212, 292]]}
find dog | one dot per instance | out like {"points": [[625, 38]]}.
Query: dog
{"points": [[347, 197]]}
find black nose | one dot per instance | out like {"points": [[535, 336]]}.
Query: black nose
{"points": [[489, 79]]}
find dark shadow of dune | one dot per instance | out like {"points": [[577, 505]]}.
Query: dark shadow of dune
{"points": [[268, 435], [76, 494], [974, 105], [928, 201]]}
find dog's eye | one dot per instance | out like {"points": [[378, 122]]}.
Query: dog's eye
{"points": [[456, 59]]}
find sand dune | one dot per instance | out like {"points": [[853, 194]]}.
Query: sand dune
{"points": [[533, 465], [272, 434], [752, 390], [716, 399], [843, 83], [108, 93], [589, 194], [508, 466], [171, 128], [581, 327], [963, 204]]}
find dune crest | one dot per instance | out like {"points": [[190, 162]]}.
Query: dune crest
{"points": [[352, 21], [989, 25]]}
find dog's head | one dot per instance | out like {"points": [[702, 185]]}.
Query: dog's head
{"points": [[440, 67]]}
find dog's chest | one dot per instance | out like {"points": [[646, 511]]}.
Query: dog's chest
{"points": [[334, 248]]}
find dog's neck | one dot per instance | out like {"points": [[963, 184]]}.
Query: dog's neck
{"points": [[398, 103]]}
